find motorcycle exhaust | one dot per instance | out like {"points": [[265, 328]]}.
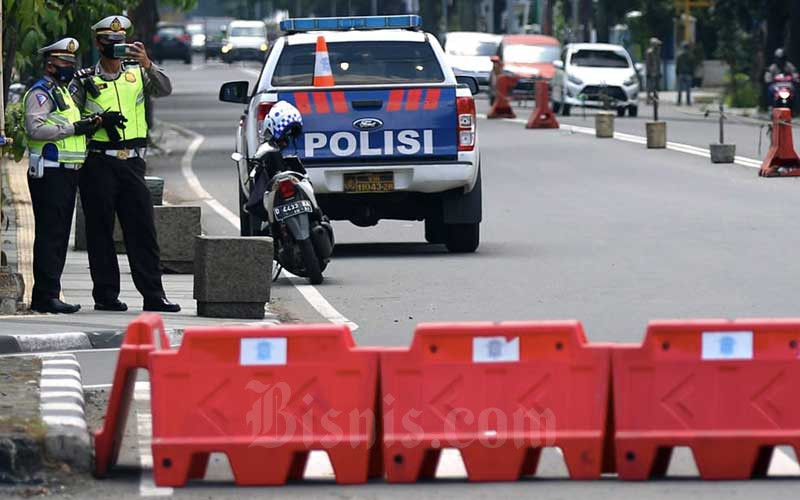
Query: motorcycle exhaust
{"points": [[322, 239]]}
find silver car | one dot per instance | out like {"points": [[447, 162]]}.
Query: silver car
{"points": [[469, 53]]}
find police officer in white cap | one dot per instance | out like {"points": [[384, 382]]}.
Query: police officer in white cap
{"points": [[112, 180], [56, 150]]}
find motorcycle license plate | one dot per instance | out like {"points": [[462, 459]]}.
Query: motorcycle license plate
{"points": [[381, 182], [284, 212]]}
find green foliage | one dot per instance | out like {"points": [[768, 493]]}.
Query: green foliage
{"points": [[743, 93], [15, 129]]}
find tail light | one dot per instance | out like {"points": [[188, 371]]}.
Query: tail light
{"points": [[465, 107], [287, 189], [156, 38], [261, 113]]}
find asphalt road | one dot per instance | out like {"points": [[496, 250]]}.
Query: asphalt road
{"points": [[602, 231]]}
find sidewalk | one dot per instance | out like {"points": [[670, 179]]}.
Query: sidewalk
{"points": [[77, 284]]}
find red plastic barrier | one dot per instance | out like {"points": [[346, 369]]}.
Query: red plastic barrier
{"points": [[143, 336], [265, 397], [781, 159], [726, 389], [502, 105], [498, 392], [542, 116]]}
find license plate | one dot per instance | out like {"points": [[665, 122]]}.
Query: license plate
{"points": [[382, 182], [284, 212]]}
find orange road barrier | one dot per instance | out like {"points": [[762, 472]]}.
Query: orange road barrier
{"points": [[502, 104], [781, 159], [498, 392], [726, 389], [542, 116]]}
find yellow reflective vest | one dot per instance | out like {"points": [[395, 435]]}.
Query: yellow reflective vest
{"points": [[71, 149], [126, 95]]}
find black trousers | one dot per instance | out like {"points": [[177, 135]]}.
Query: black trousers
{"points": [[53, 200], [108, 186]]}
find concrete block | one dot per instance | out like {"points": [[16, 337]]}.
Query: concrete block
{"points": [[722, 153], [232, 276], [177, 226], [656, 135], [156, 187], [604, 124], [12, 290]]}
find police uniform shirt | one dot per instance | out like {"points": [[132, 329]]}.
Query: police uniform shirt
{"points": [[38, 105]]}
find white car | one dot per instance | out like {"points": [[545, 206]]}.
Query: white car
{"points": [[393, 136], [590, 73], [246, 40], [470, 53]]}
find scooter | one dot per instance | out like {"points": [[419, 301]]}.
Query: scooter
{"points": [[783, 91], [302, 234]]}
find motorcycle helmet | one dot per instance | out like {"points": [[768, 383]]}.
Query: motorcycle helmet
{"points": [[780, 56], [283, 122]]}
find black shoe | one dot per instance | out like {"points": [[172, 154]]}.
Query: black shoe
{"points": [[160, 304], [55, 306], [115, 305]]}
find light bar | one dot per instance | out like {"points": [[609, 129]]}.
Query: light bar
{"points": [[350, 23]]}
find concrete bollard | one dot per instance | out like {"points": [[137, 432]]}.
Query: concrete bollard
{"points": [[12, 290], [177, 226], [156, 187], [232, 276], [656, 135], [604, 124], [722, 153]]}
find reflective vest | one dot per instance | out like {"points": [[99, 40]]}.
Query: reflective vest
{"points": [[126, 95], [70, 149]]}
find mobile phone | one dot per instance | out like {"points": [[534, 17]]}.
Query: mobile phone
{"points": [[121, 49]]}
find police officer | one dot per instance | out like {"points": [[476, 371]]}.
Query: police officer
{"points": [[56, 149], [112, 180]]}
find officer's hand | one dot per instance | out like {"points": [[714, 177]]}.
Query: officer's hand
{"points": [[87, 125], [113, 119], [84, 73], [138, 52]]}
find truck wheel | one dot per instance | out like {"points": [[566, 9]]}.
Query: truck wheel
{"points": [[462, 238], [620, 111], [310, 262], [434, 230], [244, 217], [633, 111]]}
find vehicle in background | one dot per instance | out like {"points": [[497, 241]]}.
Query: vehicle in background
{"points": [[470, 53], [246, 41], [527, 57], [198, 33], [391, 135], [587, 74], [171, 41]]}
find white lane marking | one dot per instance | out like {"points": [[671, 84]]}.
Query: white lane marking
{"points": [[144, 433], [62, 407], [309, 292], [97, 386], [251, 72], [620, 136]]}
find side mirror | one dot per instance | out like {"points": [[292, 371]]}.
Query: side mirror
{"points": [[235, 92], [639, 67], [558, 64], [469, 81]]}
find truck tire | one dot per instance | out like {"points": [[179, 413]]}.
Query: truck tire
{"points": [[310, 261], [462, 238]]}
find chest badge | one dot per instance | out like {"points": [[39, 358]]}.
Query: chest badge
{"points": [[130, 77]]}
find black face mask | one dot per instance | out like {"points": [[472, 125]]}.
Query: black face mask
{"points": [[107, 49], [65, 74]]}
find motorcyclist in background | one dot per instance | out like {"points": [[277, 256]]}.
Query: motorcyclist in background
{"points": [[780, 66]]}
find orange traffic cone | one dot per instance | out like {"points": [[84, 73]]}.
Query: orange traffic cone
{"points": [[542, 116], [502, 106], [781, 160], [323, 76]]}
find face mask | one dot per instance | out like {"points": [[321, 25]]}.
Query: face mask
{"points": [[65, 74], [107, 49]]}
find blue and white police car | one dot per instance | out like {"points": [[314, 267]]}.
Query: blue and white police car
{"points": [[393, 137]]}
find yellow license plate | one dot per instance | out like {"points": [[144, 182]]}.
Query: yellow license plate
{"points": [[369, 183]]}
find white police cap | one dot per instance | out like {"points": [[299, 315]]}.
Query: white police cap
{"points": [[65, 49], [113, 27]]}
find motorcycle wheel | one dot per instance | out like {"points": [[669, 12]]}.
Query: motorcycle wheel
{"points": [[311, 262]]}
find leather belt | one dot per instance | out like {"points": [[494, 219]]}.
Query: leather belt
{"points": [[120, 154]]}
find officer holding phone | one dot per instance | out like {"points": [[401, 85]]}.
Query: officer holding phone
{"points": [[56, 149], [112, 180]]}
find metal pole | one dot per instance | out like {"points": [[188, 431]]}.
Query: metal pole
{"points": [[721, 118], [2, 124]]}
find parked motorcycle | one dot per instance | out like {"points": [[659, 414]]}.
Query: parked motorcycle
{"points": [[283, 203]]}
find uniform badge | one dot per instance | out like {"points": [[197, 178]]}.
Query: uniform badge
{"points": [[41, 99], [71, 46], [130, 77], [116, 25]]}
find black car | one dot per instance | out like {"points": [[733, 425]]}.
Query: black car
{"points": [[172, 41]]}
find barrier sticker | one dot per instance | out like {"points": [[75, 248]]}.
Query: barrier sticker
{"points": [[263, 351], [495, 350], [727, 345]]}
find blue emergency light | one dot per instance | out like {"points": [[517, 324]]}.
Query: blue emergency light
{"points": [[350, 23]]}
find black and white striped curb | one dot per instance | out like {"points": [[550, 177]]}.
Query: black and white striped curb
{"points": [[62, 409]]}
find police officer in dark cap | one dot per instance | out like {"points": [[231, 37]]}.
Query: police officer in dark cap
{"points": [[56, 139], [112, 180]]}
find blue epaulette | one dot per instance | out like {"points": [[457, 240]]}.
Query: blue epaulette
{"points": [[43, 84]]}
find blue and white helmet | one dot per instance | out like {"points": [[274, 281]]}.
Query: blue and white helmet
{"points": [[283, 121]]}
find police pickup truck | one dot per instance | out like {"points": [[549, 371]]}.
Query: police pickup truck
{"points": [[393, 136]]}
